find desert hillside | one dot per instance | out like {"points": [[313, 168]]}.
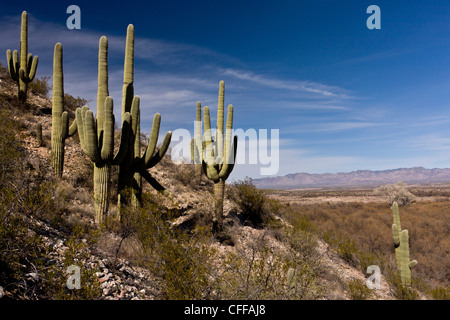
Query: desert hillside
{"points": [[165, 249]]}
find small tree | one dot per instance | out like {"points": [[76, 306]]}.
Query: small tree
{"points": [[395, 193]]}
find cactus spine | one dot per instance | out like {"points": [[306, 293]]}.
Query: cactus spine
{"points": [[401, 244], [134, 166], [60, 118], [219, 156], [97, 137], [22, 70]]}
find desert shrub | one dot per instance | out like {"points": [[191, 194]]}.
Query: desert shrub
{"points": [[56, 276], [358, 290], [180, 260], [440, 293], [399, 290], [253, 204], [40, 86], [258, 270], [395, 193]]}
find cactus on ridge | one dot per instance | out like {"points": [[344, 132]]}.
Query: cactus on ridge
{"points": [[134, 166], [60, 118], [196, 142], [22, 69], [97, 137], [219, 155]]}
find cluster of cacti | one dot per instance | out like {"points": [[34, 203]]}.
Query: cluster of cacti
{"points": [[217, 156], [60, 118], [97, 136], [401, 244], [134, 166], [22, 70]]}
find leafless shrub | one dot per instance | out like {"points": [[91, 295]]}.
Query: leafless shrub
{"points": [[395, 193]]}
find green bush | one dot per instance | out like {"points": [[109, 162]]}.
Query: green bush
{"points": [[181, 261], [358, 290], [40, 86], [252, 202]]}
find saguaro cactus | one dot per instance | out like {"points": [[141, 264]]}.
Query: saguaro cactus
{"points": [[97, 136], [219, 156], [39, 133], [100, 149], [22, 71], [134, 167], [401, 244], [60, 118], [196, 142]]}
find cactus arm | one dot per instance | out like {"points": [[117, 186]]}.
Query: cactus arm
{"points": [[161, 152], [396, 214], [153, 182], [208, 138], [395, 235], [89, 136], [228, 166], [13, 64], [29, 70], [29, 62], [220, 120], [209, 166], [102, 88], [412, 264], [79, 115], [193, 152], [107, 147], [197, 147], [153, 139], [124, 140], [72, 129], [64, 125], [128, 75]]}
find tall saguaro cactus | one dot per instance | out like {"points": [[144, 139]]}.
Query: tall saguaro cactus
{"points": [[134, 166], [97, 141], [401, 244], [97, 136], [219, 156], [22, 70], [196, 142], [60, 118]]}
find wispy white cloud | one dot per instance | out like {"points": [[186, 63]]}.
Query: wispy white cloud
{"points": [[300, 86]]}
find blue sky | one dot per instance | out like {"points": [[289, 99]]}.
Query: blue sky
{"points": [[343, 97]]}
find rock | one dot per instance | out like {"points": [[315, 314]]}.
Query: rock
{"points": [[104, 278]]}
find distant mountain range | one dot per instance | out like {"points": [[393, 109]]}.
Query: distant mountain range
{"points": [[360, 178]]}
